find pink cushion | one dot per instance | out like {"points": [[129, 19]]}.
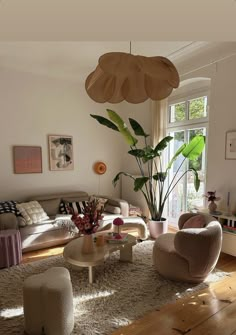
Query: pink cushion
{"points": [[196, 221]]}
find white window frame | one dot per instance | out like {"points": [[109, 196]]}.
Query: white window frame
{"points": [[188, 125]]}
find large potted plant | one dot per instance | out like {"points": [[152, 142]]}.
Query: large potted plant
{"points": [[155, 183]]}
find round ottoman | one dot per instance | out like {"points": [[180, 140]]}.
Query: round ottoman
{"points": [[10, 248]]}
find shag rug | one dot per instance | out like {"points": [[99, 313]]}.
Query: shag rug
{"points": [[121, 293]]}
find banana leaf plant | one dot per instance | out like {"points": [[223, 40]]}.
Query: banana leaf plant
{"points": [[154, 182]]}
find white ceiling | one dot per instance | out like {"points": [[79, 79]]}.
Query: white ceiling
{"points": [[64, 38], [118, 20], [75, 60]]}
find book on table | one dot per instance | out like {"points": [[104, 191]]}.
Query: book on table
{"points": [[116, 238]]}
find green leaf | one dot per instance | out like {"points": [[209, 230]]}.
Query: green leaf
{"points": [[196, 179], [149, 154], [137, 152], [138, 130], [194, 148], [117, 177], [163, 144], [139, 182], [160, 176], [123, 129], [178, 152], [105, 122]]}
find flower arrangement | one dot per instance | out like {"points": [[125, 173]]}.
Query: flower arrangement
{"points": [[211, 196], [88, 221]]}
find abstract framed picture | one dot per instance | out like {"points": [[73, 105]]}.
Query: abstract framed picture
{"points": [[27, 159], [60, 152], [230, 145]]}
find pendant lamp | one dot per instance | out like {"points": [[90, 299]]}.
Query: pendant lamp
{"points": [[122, 76]]}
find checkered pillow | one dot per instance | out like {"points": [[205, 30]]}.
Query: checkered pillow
{"points": [[62, 208], [9, 207]]}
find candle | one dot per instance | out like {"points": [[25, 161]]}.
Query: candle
{"points": [[228, 199]]}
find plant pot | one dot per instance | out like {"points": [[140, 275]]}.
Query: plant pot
{"points": [[157, 228]]}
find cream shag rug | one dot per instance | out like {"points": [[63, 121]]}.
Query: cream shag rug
{"points": [[122, 292]]}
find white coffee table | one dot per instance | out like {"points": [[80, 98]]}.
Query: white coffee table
{"points": [[72, 253]]}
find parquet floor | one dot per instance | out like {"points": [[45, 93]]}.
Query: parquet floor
{"points": [[208, 312]]}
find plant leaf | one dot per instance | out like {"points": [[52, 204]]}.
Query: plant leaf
{"points": [[138, 130], [123, 129], [105, 122], [137, 152], [178, 152], [194, 148], [117, 177], [139, 182], [196, 179], [149, 154], [163, 144], [160, 176]]}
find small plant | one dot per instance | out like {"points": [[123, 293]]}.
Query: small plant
{"points": [[154, 183], [211, 196]]}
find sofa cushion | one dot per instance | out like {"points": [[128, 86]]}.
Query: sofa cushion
{"points": [[9, 207], [75, 207], [112, 209], [62, 208], [32, 212], [50, 206], [196, 221]]}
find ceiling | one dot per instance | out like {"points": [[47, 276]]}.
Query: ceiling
{"points": [[93, 20], [75, 60], [64, 38]]}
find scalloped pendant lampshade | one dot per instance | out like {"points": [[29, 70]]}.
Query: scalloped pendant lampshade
{"points": [[122, 76]]}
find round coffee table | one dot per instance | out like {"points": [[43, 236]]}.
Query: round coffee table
{"points": [[73, 255]]}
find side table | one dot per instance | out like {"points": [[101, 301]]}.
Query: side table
{"points": [[10, 248]]}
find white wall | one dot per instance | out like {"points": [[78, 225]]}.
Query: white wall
{"points": [[32, 107]]}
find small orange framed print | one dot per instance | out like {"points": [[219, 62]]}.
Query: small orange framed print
{"points": [[27, 159], [230, 145]]}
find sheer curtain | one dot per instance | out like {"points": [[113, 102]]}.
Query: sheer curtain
{"points": [[159, 111]]}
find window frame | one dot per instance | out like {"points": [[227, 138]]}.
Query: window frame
{"points": [[185, 126]]}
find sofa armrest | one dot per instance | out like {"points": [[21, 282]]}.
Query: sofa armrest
{"points": [[122, 204], [8, 221]]}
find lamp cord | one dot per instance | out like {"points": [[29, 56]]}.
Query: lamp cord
{"points": [[130, 47]]}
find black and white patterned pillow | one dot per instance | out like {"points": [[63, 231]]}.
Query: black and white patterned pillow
{"points": [[9, 207], [76, 207], [62, 208]]}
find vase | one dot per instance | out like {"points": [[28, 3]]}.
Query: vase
{"points": [[157, 228], [212, 206], [87, 244]]}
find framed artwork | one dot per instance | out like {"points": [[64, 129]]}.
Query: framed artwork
{"points": [[27, 159], [60, 152], [230, 145]]}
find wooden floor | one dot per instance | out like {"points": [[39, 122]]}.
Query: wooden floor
{"points": [[208, 312]]}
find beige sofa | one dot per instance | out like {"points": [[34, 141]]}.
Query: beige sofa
{"points": [[48, 233]]}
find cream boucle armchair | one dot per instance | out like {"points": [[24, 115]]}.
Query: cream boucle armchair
{"points": [[192, 253]]}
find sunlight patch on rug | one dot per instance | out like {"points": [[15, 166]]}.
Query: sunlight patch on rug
{"points": [[121, 293]]}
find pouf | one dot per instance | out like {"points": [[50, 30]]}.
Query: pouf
{"points": [[10, 247], [48, 303]]}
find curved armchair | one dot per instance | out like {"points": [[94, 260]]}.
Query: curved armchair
{"points": [[192, 253]]}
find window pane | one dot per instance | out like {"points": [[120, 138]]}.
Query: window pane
{"points": [[195, 199], [178, 112], [197, 164], [197, 108], [176, 198]]}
